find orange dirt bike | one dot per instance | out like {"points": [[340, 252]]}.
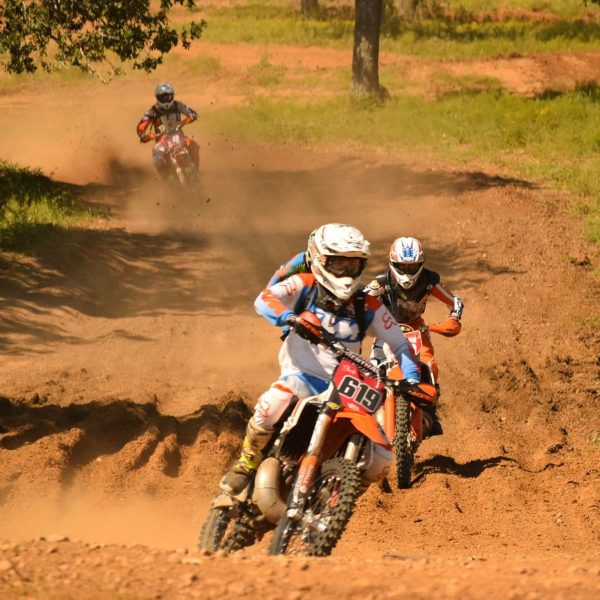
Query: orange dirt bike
{"points": [[410, 422], [325, 451]]}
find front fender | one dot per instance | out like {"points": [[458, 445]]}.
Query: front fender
{"points": [[365, 424]]}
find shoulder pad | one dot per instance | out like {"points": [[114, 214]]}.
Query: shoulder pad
{"points": [[433, 278]]}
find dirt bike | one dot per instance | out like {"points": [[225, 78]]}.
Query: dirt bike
{"points": [[408, 424], [179, 159], [326, 449]]}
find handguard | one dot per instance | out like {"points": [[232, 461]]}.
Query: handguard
{"points": [[424, 395], [307, 326]]}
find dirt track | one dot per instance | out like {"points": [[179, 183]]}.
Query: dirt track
{"points": [[130, 354]]}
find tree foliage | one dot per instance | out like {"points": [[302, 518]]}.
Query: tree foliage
{"points": [[88, 34]]}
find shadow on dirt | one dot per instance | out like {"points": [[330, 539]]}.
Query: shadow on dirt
{"points": [[353, 177], [448, 466], [459, 265], [109, 274], [115, 273], [85, 432]]}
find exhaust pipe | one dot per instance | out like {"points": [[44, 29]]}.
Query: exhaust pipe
{"points": [[266, 490]]}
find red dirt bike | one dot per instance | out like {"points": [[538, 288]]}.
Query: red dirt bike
{"points": [[406, 421], [179, 159], [325, 451]]}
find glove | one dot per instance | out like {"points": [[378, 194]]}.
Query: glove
{"points": [[305, 329], [421, 391], [146, 137]]}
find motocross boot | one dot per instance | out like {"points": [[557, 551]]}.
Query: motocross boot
{"points": [[239, 475]]}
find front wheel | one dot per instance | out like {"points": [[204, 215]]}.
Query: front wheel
{"points": [[403, 444], [214, 528], [329, 505]]}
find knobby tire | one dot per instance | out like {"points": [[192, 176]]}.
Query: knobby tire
{"points": [[321, 543], [213, 530], [402, 444]]}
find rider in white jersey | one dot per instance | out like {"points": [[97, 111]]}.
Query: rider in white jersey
{"points": [[330, 296]]}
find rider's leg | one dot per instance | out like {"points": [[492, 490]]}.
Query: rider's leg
{"points": [[268, 410], [432, 425]]}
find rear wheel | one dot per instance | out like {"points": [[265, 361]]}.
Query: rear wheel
{"points": [[403, 444], [329, 506]]}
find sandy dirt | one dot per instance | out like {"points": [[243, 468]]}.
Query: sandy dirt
{"points": [[130, 355]]}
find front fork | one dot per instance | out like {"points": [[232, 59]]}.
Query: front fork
{"points": [[310, 463]]}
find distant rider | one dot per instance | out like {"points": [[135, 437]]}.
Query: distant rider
{"points": [[333, 295], [404, 289], [163, 117]]}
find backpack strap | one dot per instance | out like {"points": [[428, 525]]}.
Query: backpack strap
{"points": [[359, 313]]}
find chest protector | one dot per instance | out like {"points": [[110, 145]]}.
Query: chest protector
{"points": [[407, 305], [320, 297]]}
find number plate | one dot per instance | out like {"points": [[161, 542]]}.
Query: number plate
{"points": [[356, 390]]}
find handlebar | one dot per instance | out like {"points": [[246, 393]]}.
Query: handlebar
{"points": [[340, 351]]}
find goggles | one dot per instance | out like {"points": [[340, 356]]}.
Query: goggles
{"points": [[165, 97], [345, 266], [411, 268]]}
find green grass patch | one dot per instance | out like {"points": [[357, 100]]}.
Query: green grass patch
{"points": [[264, 73], [202, 65], [442, 29], [32, 205], [563, 8], [552, 139]]}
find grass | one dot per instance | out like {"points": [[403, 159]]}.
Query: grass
{"points": [[445, 30], [554, 138], [32, 205]]}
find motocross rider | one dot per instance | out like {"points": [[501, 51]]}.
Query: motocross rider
{"points": [[165, 116], [404, 289], [330, 296]]}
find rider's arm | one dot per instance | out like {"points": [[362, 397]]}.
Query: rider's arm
{"points": [[142, 127], [451, 326], [277, 303], [298, 264], [190, 114], [384, 328]]}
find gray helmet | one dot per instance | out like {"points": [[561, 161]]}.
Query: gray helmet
{"points": [[165, 95]]}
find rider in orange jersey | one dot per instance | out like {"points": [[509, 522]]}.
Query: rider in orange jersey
{"points": [[404, 289], [163, 116]]}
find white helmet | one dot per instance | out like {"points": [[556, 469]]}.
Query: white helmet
{"points": [[165, 95], [406, 261], [338, 255]]}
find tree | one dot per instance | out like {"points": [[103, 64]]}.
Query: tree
{"points": [[365, 56], [90, 34], [309, 7]]}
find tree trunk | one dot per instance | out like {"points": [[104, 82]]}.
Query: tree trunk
{"points": [[365, 57], [309, 7]]}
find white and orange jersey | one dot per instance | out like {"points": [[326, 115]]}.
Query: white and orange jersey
{"points": [[298, 356]]}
